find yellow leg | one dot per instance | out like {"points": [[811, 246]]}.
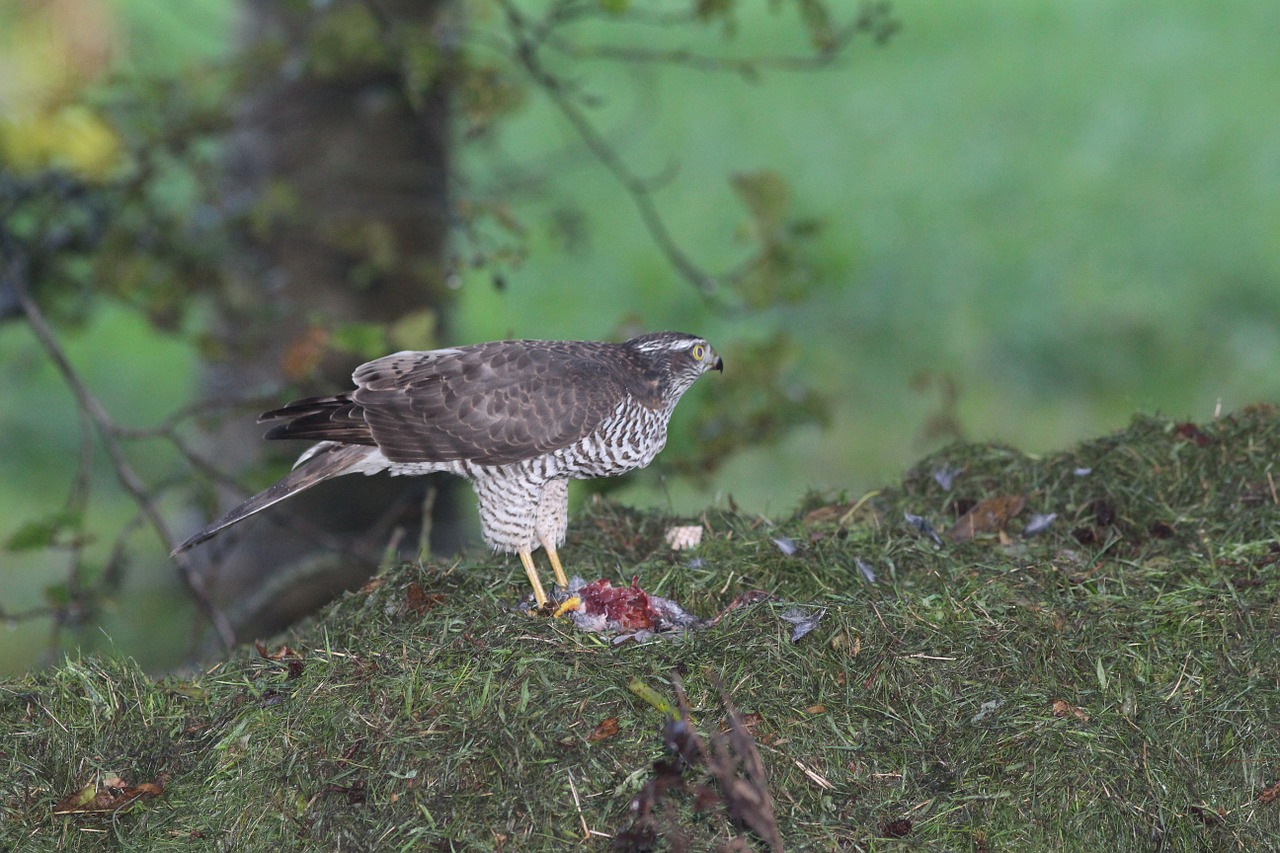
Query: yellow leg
{"points": [[532, 572], [555, 565]]}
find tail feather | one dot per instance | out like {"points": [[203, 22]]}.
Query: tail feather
{"points": [[322, 463]]}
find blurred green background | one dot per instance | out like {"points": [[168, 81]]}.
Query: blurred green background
{"points": [[1064, 212]]}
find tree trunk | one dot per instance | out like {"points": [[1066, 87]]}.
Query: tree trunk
{"points": [[341, 174]]}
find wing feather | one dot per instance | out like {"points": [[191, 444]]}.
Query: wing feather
{"points": [[335, 418], [493, 403]]}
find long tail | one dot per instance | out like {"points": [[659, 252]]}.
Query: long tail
{"points": [[323, 462]]}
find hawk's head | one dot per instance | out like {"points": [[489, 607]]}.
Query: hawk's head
{"points": [[676, 358]]}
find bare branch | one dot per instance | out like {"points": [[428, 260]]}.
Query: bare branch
{"points": [[748, 68], [530, 36], [109, 434], [636, 187]]}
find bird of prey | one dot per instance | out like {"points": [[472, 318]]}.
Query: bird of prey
{"points": [[519, 419]]}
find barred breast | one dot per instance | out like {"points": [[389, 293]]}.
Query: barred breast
{"points": [[629, 438]]}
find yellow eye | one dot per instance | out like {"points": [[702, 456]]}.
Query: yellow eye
{"points": [[699, 351]]}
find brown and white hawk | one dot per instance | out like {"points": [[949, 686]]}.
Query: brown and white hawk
{"points": [[519, 419]]}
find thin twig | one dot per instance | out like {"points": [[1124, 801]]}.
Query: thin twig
{"points": [[40, 612], [747, 68], [636, 188], [77, 501], [108, 432], [530, 36]]}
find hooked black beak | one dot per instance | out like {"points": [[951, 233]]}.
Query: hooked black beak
{"points": [[719, 365]]}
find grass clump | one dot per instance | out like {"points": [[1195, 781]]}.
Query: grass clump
{"points": [[1108, 683]]}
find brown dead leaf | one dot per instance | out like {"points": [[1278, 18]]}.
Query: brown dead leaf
{"points": [[843, 514], [608, 728], [742, 599], [107, 795], [1063, 708], [816, 709], [895, 828], [1271, 794], [749, 722], [988, 516], [279, 654], [304, 353], [77, 801], [1190, 432], [843, 640], [419, 602]]}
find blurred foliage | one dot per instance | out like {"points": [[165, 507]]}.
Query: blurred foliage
{"points": [[758, 410], [48, 53], [44, 532], [149, 233], [1040, 218], [114, 187], [778, 272]]}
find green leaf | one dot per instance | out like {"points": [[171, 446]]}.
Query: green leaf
{"points": [[817, 20], [415, 330], [653, 697], [367, 340], [717, 11], [766, 196], [57, 594], [42, 532]]}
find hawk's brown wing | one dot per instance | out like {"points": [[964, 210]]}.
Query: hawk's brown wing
{"points": [[493, 403]]}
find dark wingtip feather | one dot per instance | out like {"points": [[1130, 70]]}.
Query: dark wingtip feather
{"points": [[336, 418], [306, 406]]}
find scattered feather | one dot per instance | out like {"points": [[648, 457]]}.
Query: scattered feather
{"points": [[920, 523], [804, 621], [868, 573], [1039, 523], [985, 710], [946, 476], [786, 545], [1082, 472]]}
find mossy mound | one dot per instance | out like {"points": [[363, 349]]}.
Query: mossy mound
{"points": [[1110, 682]]}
